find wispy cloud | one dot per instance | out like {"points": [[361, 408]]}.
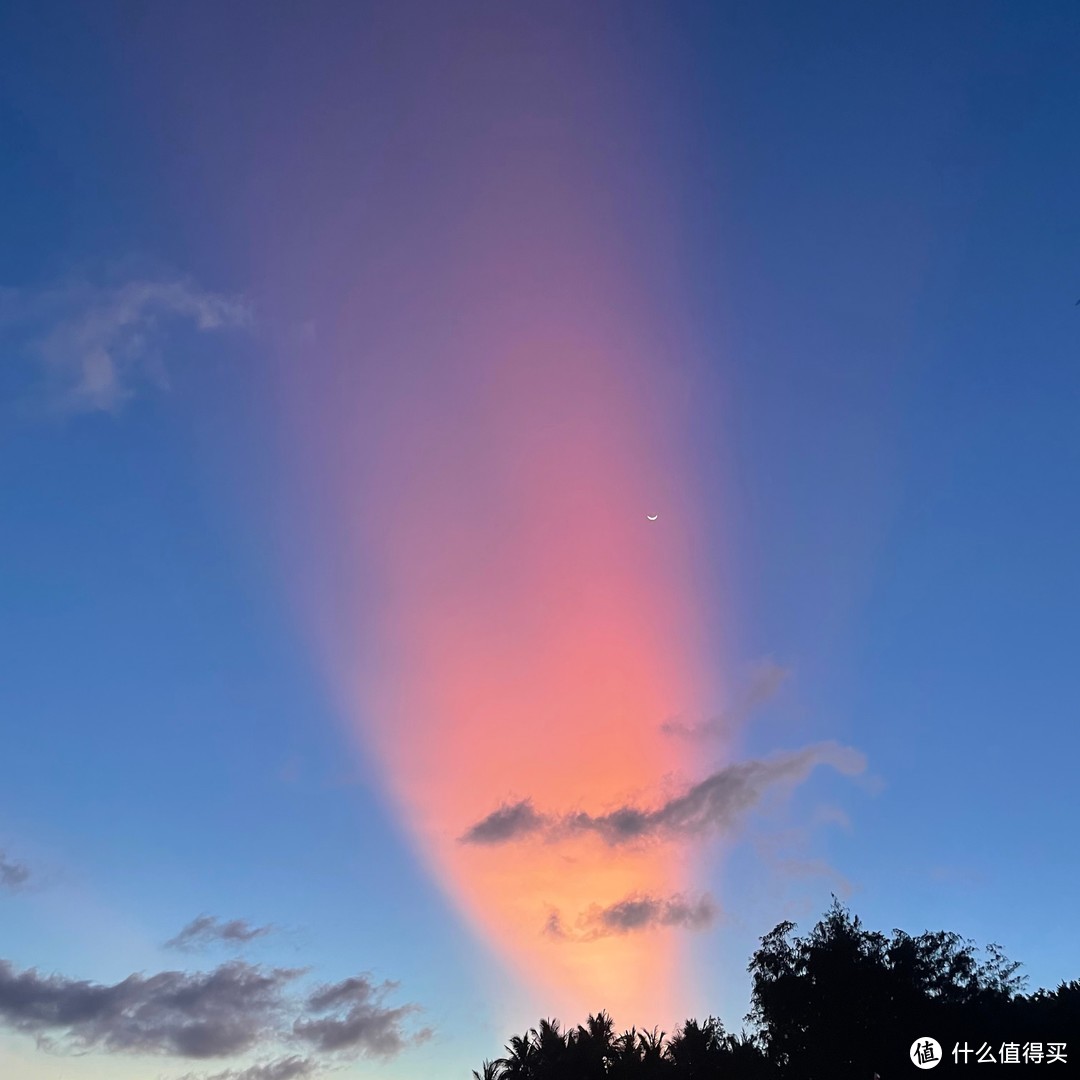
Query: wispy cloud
{"points": [[12, 874], [355, 1020], [210, 930], [765, 681], [714, 804], [637, 912], [98, 345], [289, 1068]]}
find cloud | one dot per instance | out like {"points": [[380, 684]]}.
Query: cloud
{"points": [[97, 345], [637, 912], [765, 681], [360, 1024], [509, 822], [235, 1009], [714, 804], [289, 1068], [204, 1015], [644, 912], [12, 874], [209, 929]]}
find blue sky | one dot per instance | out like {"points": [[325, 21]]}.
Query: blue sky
{"points": [[861, 225]]}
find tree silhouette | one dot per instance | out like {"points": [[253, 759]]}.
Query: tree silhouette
{"points": [[845, 1001], [520, 1062], [697, 1050], [591, 1048], [551, 1050], [841, 1003], [652, 1053]]}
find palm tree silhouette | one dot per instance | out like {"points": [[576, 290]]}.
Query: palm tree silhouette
{"points": [[590, 1048], [550, 1050], [697, 1050], [520, 1060], [653, 1054]]}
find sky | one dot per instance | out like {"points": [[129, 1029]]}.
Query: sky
{"points": [[502, 504]]}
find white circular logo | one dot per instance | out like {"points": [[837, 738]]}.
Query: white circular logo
{"points": [[925, 1053]]}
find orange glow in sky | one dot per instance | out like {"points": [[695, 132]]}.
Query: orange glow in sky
{"points": [[532, 630]]}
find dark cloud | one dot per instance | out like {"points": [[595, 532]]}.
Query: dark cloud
{"points": [[358, 1022], [290, 1068], [203, 1015], [645, 912], [509, 822], [637, 912], [12, 874], [208, 930], [765, 681], [714, 804], [237, 1008]]}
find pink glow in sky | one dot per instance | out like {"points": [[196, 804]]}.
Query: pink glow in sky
{"points": [[523, 629], [486, 420]]}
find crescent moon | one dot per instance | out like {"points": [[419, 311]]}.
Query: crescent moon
{"points": [[652, 517]]}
